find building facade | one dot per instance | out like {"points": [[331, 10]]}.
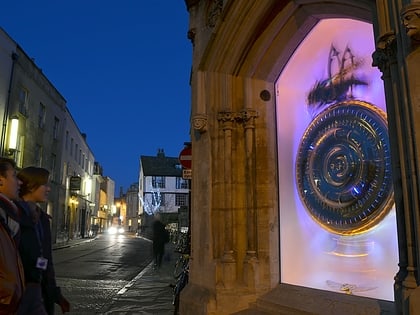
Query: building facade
{"points": [[132, 213], [161, 190], [38, 130], [305, 194], [106, 204]]}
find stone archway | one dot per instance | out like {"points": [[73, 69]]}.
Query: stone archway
{"points": [[235, 223]]}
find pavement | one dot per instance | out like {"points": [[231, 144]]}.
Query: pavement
{"points": [[149, 293]]}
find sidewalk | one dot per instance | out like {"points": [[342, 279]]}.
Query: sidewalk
{"points": [[149, 293]]}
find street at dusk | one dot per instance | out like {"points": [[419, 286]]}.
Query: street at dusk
{"points": [[94, 273], [210, 157]]}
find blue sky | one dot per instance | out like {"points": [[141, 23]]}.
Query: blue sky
{"points": [[123, 67]]}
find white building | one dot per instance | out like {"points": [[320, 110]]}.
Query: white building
{"points": [[161, 189]]}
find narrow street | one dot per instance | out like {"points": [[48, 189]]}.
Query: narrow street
{"points": [[93, 272]]}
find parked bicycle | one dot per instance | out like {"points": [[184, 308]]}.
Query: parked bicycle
{"points": [[181, 282], [181, 270]]}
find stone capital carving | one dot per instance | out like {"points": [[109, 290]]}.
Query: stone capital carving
{"points": [[199, 122], [248, 115], [226, 119], [386, 51], [226, 116]]}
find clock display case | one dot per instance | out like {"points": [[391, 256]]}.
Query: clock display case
{"points": [[336, 204]]}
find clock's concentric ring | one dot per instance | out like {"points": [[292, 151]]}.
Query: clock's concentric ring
{"points": [[343, 168]]}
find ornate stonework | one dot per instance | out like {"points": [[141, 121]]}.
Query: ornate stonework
{"points": [[248, 116], [200, 123], [386, 51]]}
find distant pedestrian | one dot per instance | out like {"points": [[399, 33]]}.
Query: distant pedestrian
{"points": [[95, 229], [160, 237], [11, 269], [36, 246]]}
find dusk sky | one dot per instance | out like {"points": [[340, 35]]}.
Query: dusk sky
{"points": [[123, 68]]}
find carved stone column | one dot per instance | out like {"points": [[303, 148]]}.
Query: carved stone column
{"points": [[390, 58], [385, 58], [248, 117], [226, 120], [410, 19]]}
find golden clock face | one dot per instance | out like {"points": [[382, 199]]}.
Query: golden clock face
{"points": [[343, 168]]}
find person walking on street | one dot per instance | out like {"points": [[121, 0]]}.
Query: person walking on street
{"points": [[36, 246], [11, 269], [160, 237]]}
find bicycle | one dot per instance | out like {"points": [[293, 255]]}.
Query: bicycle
{"points": [[181, 270], [180, 264], [181, 282]]}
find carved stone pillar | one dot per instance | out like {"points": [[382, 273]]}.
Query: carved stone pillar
{"points": [[390, 58], [410, 18], [248, 117], [226, 120], [385, 58]]}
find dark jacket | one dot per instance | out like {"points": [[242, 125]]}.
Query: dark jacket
{"points": [[11, 269], [51, 292], [160, 234], [30, 244]]}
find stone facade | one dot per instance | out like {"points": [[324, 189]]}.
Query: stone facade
{"points": [[240, 48], [48, 137]]}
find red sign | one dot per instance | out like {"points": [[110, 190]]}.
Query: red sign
{"points": [[185, 157]]}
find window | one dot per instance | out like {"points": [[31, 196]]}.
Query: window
{"points": [[71, 146], [158, 181], [181, 183], [158, 199], [55, 128], [76, 150], [41, 115], [181, 199], [53, 163], [67, 140], [23, 100], [38, 155]]}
